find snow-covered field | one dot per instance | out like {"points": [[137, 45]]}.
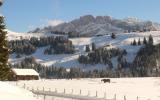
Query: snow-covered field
{"points": [[143, 88], [123, 41], [10, 92]]}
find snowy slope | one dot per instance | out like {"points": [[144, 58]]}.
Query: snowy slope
{"points": [[9, 92], [17, 36], [123, 41], [144, 88]]}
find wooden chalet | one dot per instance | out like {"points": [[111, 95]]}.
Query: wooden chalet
{"points": [[24, 74]]}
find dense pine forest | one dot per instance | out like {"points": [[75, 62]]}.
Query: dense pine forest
{"points": [[56, 45]]}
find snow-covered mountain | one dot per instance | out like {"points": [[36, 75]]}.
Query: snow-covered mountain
{"points": [[89, 25]]}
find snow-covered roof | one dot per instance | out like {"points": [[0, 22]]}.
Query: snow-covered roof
{"points": [[24, 71]]}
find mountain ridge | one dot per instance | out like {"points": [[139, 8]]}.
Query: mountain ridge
{"points": [[89, 25]]}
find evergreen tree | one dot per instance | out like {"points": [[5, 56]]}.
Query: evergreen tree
{"points": [[134, 42], [87, 48], [4, 52], [139, 42], [150, 40], [93, 46], [145, 41]]}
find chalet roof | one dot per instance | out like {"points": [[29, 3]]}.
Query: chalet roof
{"points": [[25, 71]]}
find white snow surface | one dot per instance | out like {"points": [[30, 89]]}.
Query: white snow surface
{"points": [[123, 41], [24, 71], [143, 88], [17, 36], [9, 92]]}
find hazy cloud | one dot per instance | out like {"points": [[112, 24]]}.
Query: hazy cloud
{"points": [[45, 23], [54, 22]]}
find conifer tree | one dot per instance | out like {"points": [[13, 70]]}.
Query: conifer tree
{"points": [[87, 48], [134, 42], [150, 40], [93, 46], [145, 41], [139, 42], [4, 52]]}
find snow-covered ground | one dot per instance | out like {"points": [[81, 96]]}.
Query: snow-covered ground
{"points": [[143, 88], [123, 41], [17, 36], [10, 92]]}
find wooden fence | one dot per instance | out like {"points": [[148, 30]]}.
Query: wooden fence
{"points": [[55, 93]]}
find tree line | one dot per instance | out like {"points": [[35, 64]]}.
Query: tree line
{"points": [[58, 44]]}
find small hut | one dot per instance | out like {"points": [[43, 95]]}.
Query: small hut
{"points": [[24, 74]]}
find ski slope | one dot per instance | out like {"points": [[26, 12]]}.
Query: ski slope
{"points": [[143, 88], [123, 41]]}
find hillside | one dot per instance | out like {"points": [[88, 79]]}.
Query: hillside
{"points": [[89, 26], [122, 41]]}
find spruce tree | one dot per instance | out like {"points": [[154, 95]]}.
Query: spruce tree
{"points": [[150, 40], [4, 52], [145, 41], [87, 48], [93, 46], [134, 42], [139, 42]]}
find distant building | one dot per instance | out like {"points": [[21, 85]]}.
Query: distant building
{"points": [[24, 74]]}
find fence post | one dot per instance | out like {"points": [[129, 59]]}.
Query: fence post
{"points": [[137, 98], [80, 92], [44, 97], [64, 91], [124, 97], [88, 93], [24, 85], [37, 94], [115, 97], [27, 88], [72, 91], [104, 95], [96, 94], [43, 89], [56, 90], [32, 89]]}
